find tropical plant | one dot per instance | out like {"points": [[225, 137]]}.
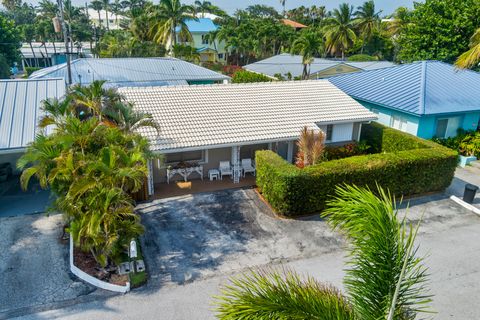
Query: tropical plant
{"points": [[283, 4], [245, 76], [202, 7], [367, 21], [9, 40], [311, 146], [186, 52], [106, 7], [384, 280], [339, 30], [97, 5], [169, 19], [470, 58], [308, 45], [93, 162]]}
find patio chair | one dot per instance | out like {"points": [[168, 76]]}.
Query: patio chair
{"points": [[247, 166], [225, 169]]}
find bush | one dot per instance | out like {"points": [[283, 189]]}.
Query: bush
{"points": [[244, 76], [30, 70], [362, 58], [345, 151], [416, 167], [466, 143]]}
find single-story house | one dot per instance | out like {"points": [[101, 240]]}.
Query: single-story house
{"points": [[133, 72], [209, 51], [206, 124], [427, 98], [20, 102], [288, 65], [41, 55]]}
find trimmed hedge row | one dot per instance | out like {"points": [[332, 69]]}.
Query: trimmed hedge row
{"points": [[419, 166]]}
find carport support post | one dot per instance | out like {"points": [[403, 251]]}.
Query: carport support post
{"points": [[151, 189], [290, 151]]}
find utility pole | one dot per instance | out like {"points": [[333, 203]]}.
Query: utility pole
{"points": [[66, 39]]}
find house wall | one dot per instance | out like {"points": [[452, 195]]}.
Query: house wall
{"points": [[197, 43], [425, 127]]}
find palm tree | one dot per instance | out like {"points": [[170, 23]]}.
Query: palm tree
{"points": [[308, 45], [339, 30], [203, 7], [471, 58], [384, 279], [106, 6], [170, 16], [283, 4], [399, 21], [97, 5], [367, 20], [129, 120], [94, 98], [28, 33]]}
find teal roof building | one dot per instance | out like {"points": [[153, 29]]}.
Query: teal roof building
{"points": [[427, 98]]}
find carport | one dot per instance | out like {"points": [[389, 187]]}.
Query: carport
{"points": [[20, 110]]}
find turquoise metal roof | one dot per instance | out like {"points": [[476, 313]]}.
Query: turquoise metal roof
{"points": [[202, 25], [420, 88], [131, 71]]}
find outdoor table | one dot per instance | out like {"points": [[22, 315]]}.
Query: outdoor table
{"points": [[184, 172]]}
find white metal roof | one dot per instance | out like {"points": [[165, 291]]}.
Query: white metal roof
{"points": [[212, 116], [20, 102]]}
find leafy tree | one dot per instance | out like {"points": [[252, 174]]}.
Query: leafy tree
{"points": [[308, 45], [10, 41], [384, 279], [11, 4], [262, 11], [244, 76], [362, 58], [367, 20], [339, 30], [4, 68], [439, 30], [186, 52], [471, 58], [309, 16], [121, 44], [168, 16]]}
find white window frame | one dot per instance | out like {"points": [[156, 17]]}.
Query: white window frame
{"points": [[331, 133], [402, 122]]}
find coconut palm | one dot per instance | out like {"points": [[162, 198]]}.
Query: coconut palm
{"points": [[202, 7], [94, 98], [97, 5], [129, 120], [339, 30], [106, 7], [471, 58], [308, 45], [399, 21], [367, 20], [283, 4], [169, 16], [384, 279]]}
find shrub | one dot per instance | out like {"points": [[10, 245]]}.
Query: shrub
{"points": [[30, 70], [416, 166], [362, 58], [244, 76], [466, 143], [347, 150]]}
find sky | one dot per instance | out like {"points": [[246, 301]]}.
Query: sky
{"points": [[387, 6]]}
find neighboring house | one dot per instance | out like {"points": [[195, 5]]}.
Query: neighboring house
{"points": [[296, 25], [115, 21], [209, 51], [20, 104], [288, 65], [133, 72], [51, 54], [427, 98], [228, 122]]}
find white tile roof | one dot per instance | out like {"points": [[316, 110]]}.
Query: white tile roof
{"points": [[20, 102], [209, 116]]}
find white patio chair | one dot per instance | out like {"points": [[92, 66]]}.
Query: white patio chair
{"points": [[225, 169], [247, 166]]}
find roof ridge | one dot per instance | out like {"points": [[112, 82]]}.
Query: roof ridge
{"points": [[423, 87]]}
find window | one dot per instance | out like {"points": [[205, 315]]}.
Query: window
{"points": [[442, 125], [329, 132], [399, 123], [204, 39], [190, 156], [220, 56]]}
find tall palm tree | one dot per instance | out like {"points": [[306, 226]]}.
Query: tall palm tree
{"points": [[471, 58], [308, 45], [171, 15], [400, 20], [106, 7], [28, 33], [367, 20], [283, 3], [339, 32], [384, 279], [203, 7], [97, 5]]}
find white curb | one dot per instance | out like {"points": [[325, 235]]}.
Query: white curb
{"points": [[466, 205], [92, 280]]}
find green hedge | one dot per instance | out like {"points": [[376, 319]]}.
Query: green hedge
{"points": [[425, 167]]}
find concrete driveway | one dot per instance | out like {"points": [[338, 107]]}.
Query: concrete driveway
{"points": [[34, 272], [202, 235]]}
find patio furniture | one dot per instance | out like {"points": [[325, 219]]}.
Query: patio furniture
{"points": [[213, 174], [184, 172], [225, 169], [247, 166]]}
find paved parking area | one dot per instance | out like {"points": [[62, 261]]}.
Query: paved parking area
{"points": [[34, 271], [202, 235]]}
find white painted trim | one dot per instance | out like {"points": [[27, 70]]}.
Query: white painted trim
{"points": [[466, 205], [92, 280]]}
